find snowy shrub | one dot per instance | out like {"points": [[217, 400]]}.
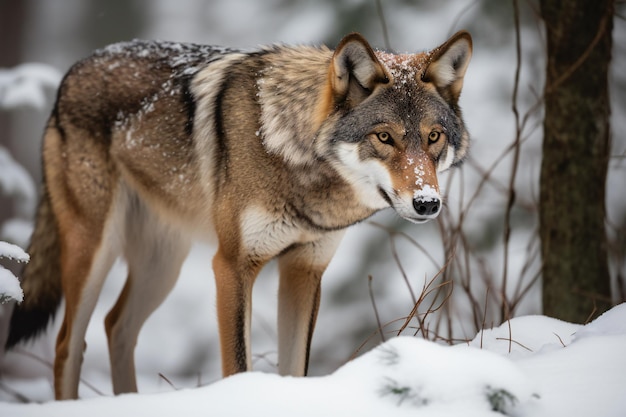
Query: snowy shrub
{"points": [[403, 392], [16, 183], [500, 399], [25, 85], [9, 285], [22, 86]]}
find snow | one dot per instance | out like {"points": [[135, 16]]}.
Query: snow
{"points": [[562, 370], [426, 193], [403, 67], [24, 85], [536, 332], [8, 250], [9, 285]]}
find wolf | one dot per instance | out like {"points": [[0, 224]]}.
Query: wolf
{"points": [[275, 151]]}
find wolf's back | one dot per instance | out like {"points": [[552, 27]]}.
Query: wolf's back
{"points": [[41, 279]]}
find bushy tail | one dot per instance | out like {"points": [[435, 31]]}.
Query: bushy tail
{"points": [[41, 279]]}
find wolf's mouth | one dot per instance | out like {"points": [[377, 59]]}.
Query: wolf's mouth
{"points": [[385, 196], [417, 220]]}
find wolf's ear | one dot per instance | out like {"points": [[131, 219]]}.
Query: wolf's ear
{"points": [[355, 71], [447, 66]]}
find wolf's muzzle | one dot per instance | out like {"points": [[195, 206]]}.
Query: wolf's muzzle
{"points": [[427, 207]]}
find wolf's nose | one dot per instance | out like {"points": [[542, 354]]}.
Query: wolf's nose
{"points": [[427, 207]]}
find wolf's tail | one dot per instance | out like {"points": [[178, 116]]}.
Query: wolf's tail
{"points": [[41, 279]]}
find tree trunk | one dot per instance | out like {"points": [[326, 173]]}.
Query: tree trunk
{"points": [[576, 282]]}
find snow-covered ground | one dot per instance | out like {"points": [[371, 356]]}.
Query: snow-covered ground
{"points": [[531, 366]]}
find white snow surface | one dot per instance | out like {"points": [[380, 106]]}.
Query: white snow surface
{"points": [[552, 368]]}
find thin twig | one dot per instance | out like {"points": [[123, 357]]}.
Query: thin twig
{"points": [[414, 242], [380, 327], [17, 395], [460, 15], [516, 157], [431, 308], [482, 327], [514, 341], [374, 333], [49, 365], [396, 257], [508, 321], [425, 292], [383, 22], [166, 379], [559, 337]]}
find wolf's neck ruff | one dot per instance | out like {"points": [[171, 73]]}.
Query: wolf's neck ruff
{"points": [[288, 127]]}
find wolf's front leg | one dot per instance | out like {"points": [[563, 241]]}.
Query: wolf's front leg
{"points": [[234, 280], [301, 271]]}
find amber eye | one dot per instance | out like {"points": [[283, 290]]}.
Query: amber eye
{"points": [[434, 136], [385, 138]]}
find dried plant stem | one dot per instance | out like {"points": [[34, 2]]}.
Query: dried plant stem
{"points": [[516, 157], [380, 327]]}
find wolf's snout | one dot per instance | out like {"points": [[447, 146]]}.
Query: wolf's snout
{"points": [[427, 207]]}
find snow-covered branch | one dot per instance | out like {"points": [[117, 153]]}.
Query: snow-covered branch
{"points": [[25, 85], [9, 285]]}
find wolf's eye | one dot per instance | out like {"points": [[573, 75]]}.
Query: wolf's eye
{"points": [[434, 136], [385, 138]]}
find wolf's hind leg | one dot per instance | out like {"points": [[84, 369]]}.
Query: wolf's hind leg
{"points": [[81, 185], [85, 263], [155, 254]]}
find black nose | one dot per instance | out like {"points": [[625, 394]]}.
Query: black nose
{"points": [[428, 207]]}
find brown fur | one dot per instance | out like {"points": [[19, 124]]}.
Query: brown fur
{"points": [[276, 152]]}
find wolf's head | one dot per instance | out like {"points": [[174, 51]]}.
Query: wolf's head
{"points": [[394, 122]]}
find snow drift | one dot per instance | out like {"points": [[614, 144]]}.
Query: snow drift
{"points": [[532, 366]]}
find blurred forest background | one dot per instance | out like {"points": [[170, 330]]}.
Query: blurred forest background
{"points": [[444, 280]]}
